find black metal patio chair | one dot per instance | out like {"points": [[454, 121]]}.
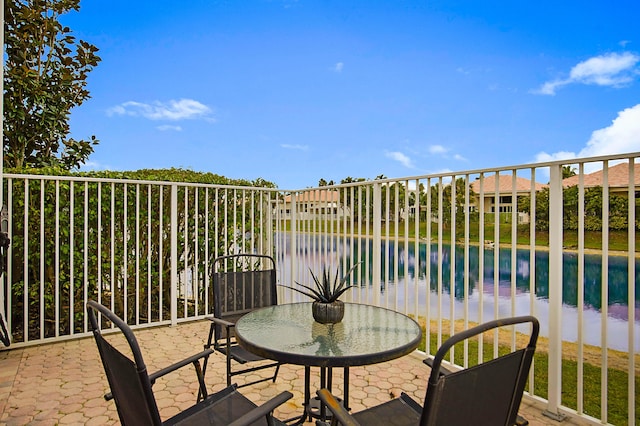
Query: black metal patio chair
{"points": [[486, 394], [241, 284], [131, 385]]}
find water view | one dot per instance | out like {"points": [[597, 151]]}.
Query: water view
{"points": [[319, 250]]}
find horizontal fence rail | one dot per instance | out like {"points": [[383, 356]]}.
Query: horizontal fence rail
{"points": [[555, 240]]}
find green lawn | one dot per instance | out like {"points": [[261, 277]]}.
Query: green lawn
{"points": [[618, 240]]}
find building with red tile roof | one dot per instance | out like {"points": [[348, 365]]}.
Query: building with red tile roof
{"points": [[504, 195], [315, 204], [617, 179]]}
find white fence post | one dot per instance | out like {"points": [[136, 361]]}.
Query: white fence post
{"points": [[631, 293], [174, 254], [377, 242], [555, 293], [293, 239]]}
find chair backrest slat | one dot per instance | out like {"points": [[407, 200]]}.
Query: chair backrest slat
{"points": [[241, 284], [485, 394], [128, 379]]}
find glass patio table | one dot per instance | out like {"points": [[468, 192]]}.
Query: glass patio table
{"points": [[289, 334]]}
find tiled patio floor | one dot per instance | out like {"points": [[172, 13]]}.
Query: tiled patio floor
{"points": [[63, 383]]}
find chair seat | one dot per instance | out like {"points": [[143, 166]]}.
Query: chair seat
{"points": [[397, 412], [221, 409], [241, 355]]}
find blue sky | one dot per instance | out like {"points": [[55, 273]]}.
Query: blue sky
{"points": [[295, 91]]}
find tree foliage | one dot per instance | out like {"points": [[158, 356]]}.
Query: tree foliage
{"points": [[593, 209], [323, 182], [44, 78], [568, 171], [460, 186]]}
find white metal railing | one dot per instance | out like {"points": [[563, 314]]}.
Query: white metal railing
{"points": [[377, 226], [145, 248]]}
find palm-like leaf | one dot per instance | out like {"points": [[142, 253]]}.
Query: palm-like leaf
{"points": [[324, 290]]}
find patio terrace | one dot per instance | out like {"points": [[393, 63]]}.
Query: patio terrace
{"points": [[145, 249], [63, 383]]}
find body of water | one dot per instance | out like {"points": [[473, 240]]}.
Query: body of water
{"points": [[406, 267]]}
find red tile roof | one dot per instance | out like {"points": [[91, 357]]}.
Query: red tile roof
{"points": [[618, 177], [504, 184]]}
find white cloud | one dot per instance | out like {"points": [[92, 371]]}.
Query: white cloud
{"points": [[621, 137], [442, 171], [605, 70], [338, 67], [446, 180], [543, 157], [437, 149], [548, 88], [613, 69], [166, 127], [444, 152], [93, 166], [183, 109], [401, 158], [298, 147]]}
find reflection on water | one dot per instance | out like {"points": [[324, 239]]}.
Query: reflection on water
{"points": [[618, 312]]}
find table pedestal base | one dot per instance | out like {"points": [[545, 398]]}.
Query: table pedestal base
{"points": [[313, 408]]}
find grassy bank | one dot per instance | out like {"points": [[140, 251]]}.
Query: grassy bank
{"points": [[618, 240]]}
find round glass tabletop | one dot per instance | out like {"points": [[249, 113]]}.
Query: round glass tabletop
{"points": [[366, 335]]}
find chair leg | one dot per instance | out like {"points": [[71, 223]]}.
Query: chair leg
{"points": [[228, 351], [202, 393], [206, 360], [228, 368]]}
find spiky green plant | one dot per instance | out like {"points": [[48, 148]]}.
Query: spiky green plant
{"points": [[325, 291]]}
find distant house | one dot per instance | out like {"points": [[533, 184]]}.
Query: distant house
{"points": [[504, 196], [314, 204], [617, 179]]}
